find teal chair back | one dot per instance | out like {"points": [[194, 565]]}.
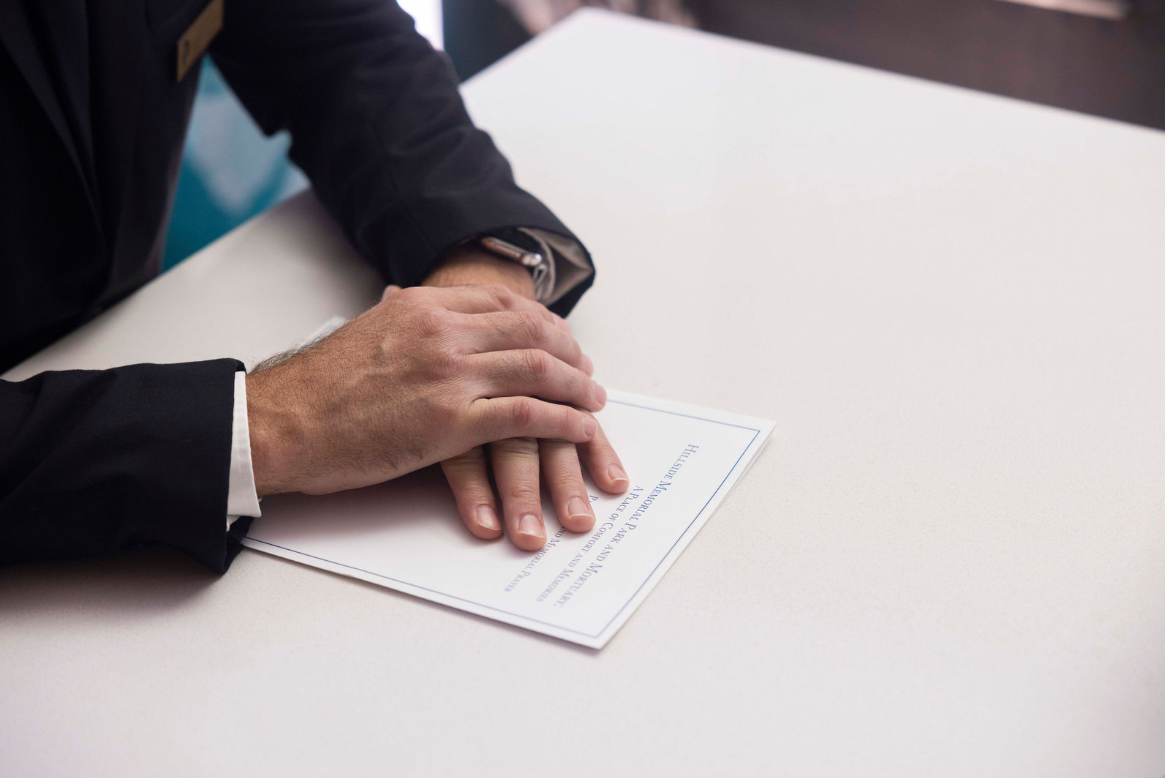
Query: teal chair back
{"points": [[230, 170]]}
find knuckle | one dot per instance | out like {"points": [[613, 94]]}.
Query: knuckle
{"points": [[467, 485], [574, 422], [524, 492], [570, 484], [532, 327], [537, 364], [522, 412], [566, 476], [499, 293], [441, 363], [431, 323], [575, 351], [471, 460], [522, 447]]}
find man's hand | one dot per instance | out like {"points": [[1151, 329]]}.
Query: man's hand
{"points": [[517, 462], [425, 375]]}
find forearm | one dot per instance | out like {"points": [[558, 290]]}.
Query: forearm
{"points": [[378, 125]]}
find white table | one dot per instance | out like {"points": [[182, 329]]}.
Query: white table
{"points": [[949, 561]]}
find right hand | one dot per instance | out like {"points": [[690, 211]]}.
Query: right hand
{"points": [[425, 375]]}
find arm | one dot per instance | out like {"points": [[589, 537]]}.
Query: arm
{"points": [[378, 125], [96, 461]]}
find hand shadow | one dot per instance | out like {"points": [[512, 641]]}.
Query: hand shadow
{"points": [[149, 582], [153, 583]]}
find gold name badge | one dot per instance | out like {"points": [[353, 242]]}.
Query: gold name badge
{"points": [[193, 43]]}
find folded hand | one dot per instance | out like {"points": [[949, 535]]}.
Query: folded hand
{"points": [[521, 464], [425, 375]]}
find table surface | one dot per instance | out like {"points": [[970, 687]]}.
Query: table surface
{"points": [[949, 561]]}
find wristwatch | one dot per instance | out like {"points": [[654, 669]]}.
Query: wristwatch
{"points": [[526, 249]]}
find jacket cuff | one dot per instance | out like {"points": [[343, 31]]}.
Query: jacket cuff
{"points": [[120, 459]]}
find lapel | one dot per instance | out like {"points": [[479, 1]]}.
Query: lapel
{"points": [[18, 37]]}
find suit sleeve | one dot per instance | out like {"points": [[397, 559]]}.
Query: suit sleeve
{"points": [[378, 125], [97, 461]]}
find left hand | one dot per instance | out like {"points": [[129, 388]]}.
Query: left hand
{"points": [[518, 462]]}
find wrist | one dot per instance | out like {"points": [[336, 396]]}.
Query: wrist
{"points": [[470, 264], [276, 432]]}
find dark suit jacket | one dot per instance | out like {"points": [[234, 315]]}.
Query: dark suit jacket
{"points": [[92, 121]]}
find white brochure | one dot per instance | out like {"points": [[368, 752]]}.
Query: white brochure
{"points": [[407, 535]]}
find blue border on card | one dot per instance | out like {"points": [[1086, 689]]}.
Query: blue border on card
{"points": [[634, 594]]}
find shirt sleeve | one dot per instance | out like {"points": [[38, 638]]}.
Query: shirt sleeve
{"points": [[242, 498]]}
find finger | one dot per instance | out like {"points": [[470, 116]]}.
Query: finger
{"points": [[534, 373], [499, 418], [468, 477], [563, 476], [508, 330], [389, 290], [603, 463], [515, 463]]}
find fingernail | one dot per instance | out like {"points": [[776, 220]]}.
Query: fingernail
{"points": [[530, 525], [578, 508], [616, 473], [588, 366], [488, 518], [600, 395], [589, 427]]}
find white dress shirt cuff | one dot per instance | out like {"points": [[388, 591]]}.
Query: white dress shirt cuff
{"points": [[242, 499]]}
